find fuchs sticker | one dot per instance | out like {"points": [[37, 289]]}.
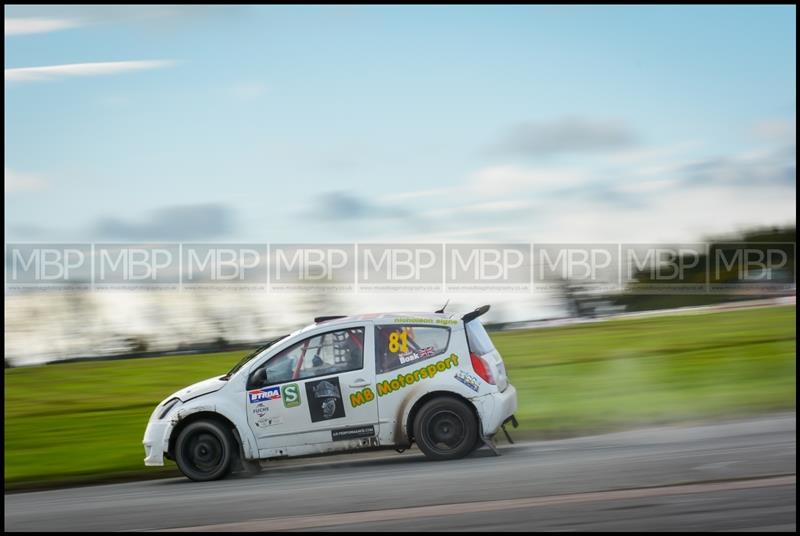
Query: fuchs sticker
{"points": [[356, 432], [291, 395], [265, 394], [325, 400], [468, 379], [260, 410]]}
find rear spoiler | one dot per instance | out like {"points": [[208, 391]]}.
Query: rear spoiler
{"points": [[475, 314]]}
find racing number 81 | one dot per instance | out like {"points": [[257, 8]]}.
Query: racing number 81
{"points": [[398, 341]]}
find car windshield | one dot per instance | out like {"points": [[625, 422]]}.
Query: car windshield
{"points": [[255, 353]]}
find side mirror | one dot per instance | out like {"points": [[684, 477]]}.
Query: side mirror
{"points": [[258, 378]]}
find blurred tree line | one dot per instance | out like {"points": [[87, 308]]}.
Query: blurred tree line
{"points": [[726, 266]]}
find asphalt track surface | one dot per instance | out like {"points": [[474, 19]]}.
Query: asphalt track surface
{"points": [[727, 476]]}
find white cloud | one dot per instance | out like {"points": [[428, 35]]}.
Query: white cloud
{"points": [[52, 72], [645, 155], [567, 135], [397, 197], [674, 216], [499, 206], [496, 233], [30, 25], [499, 180], [651, 194], [648, 186], [250, 90], [777, 130], [489, 207], [23, 182]]}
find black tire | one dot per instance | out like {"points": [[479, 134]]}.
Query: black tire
{"points": [[478, 443], [204, 451], [445, 429]]}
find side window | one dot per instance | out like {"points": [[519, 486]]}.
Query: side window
{"points": [[328, 353], [400, 346], [477, 338]]}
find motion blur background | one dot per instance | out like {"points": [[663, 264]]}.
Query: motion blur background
{"points": [[248, 124]]}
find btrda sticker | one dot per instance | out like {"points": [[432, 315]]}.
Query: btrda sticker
{"points": [[325, 400]]}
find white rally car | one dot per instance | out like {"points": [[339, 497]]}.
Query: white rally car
{"points": [[341, 384]]}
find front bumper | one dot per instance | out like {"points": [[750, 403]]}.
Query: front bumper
{"points": [[154, 443]]}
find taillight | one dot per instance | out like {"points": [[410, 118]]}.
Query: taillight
{"points": [[481, 368]]}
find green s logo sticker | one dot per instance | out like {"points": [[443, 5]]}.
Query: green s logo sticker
{"points": [[291, 395]]}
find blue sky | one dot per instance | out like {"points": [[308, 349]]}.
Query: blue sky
{"points": [[309, 124]]}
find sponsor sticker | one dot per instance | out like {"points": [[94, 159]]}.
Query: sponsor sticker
{"points": [[260, 410], [362, 397], [468, 379], [269, 421], [263, 395], [356, 432], [440, 321], [291, 395], [404, 380], [325, 400]]}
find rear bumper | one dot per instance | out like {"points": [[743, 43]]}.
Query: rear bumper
{"points": [[496, 408]]}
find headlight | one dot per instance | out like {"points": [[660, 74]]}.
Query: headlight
{"points": [[168, 405]]}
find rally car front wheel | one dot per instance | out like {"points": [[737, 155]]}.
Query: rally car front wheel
{"points": [[445, 429], [204, 451]]}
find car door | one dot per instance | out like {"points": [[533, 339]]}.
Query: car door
{"points": [[318, 391]]}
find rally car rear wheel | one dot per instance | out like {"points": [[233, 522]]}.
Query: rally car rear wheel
{"points": [[204, 450], [445, 429]]}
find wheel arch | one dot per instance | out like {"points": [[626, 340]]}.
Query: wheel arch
{"points": [[202, 416], [412, 414]]}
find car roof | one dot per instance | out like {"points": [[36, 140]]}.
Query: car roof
{"points": [[383, 318]]}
